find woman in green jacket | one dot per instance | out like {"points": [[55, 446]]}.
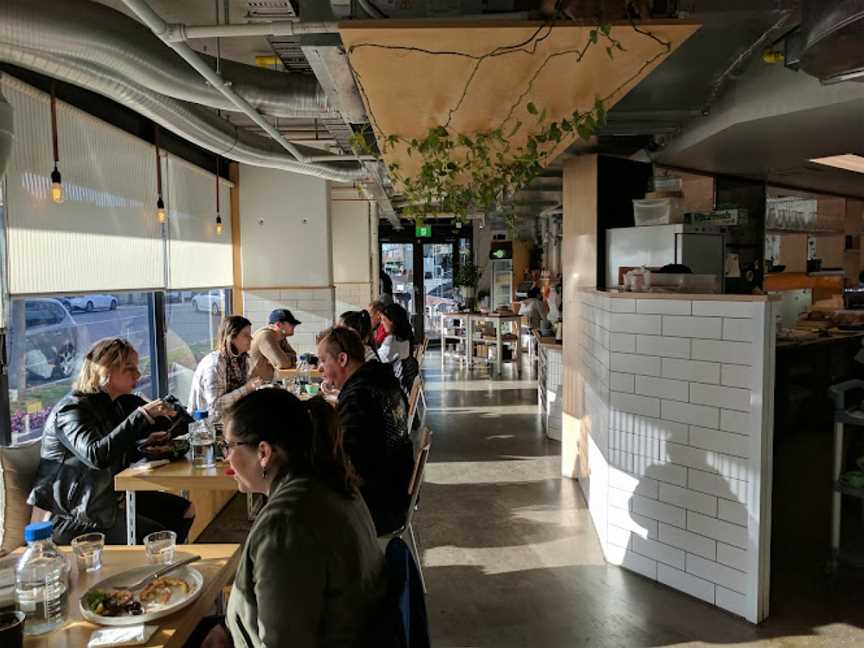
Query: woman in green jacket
{"points": [[311, 573]]}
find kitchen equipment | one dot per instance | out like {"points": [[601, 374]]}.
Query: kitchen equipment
{"points": [[853, 298], [657, 211], [654, 247], [814, 265]]}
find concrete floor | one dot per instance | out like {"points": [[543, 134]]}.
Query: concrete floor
{"points": [[511, 557]]}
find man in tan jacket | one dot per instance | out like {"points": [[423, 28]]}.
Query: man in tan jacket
{"points": [[270, 349]]}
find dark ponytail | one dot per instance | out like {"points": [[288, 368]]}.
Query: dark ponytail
{"points": [[360, 322], [306, 433]]}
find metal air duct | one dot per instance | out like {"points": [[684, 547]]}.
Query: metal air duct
{"points": [[7, 132], [194, 124], [832, 37], [96, 34]]}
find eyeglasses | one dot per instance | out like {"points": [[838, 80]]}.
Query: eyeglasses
{"points": [[227, 446]]}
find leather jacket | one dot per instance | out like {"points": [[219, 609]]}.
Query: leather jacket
{"points": [[87, 440]]}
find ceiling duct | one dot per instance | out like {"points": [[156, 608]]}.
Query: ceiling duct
{"points": [[832, 38]]}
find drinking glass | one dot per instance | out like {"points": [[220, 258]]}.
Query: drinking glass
{"points": [[159, 547], [88, 551]]}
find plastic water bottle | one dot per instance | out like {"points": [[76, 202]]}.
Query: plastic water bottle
{"points": [[41, 581], [202, 441]]}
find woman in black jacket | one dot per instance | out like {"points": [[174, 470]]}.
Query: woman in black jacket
{"points": [[89, 437]]}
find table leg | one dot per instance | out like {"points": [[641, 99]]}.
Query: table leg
{"points": [[469, 340], [837, 499], [130, 517], [519, 348], [443, 340], [499, 352]]}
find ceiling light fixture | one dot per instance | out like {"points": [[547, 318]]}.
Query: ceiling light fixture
{"points": [[847, 162], [218, 213], [56, 180], [160, 204]]}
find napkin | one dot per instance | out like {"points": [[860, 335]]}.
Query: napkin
{"points": [[135, 635]]}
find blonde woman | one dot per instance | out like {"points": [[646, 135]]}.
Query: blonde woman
{"points": [[220, 378], [89, 437]]}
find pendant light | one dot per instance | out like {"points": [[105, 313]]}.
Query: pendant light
{"points": [[56, 180], [218, 212], [160, 204]]}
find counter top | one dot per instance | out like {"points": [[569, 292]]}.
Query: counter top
{"points": [[620, 294], [834, 337]]}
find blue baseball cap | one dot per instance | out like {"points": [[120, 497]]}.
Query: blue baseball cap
{"points": [[283, 315]]}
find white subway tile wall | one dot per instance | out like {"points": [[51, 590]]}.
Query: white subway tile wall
{"points": [[673, 421]]}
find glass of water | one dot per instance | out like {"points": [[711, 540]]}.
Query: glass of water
{"points": [[88, 551], [159, 547]]}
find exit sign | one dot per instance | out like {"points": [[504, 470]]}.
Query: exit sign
{"points": [[423, 231]]}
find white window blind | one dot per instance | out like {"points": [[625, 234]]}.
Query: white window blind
{"points": [[198, 256], [105, 236]]}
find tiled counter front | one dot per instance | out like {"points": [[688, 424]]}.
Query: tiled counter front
{"points": [[549, 374], [674, 415]]}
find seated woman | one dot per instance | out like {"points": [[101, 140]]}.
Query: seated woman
{"points": [[361, 323], [396, 347], [378, 331], [220, 377], [89, 437], [311, 572]]}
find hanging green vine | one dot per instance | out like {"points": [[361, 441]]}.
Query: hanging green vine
{"points": [[462, 174]]}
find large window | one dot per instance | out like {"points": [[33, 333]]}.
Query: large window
{"points": [[192, 320], [48, 337]]}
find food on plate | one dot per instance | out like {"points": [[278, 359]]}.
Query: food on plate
{"points": [[122, 602], [161, 589], [114, 603], [173, 449]]}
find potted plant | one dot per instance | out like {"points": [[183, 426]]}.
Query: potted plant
{"points": [[467, 278]]}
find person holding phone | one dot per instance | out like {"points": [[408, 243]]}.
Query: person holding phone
{"points": [[89, 437]]}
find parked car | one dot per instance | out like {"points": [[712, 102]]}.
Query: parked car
{"points": [[89, 303], [207, 303], [53, 341]]}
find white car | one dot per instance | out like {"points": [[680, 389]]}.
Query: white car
{"points": [[208, 303], [89, 303]]}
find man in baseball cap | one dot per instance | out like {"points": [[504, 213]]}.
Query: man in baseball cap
{"points": [[270, 349]]}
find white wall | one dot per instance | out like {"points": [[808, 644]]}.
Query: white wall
{"points": [[285, 250], [284, 229], [676, 398], [352, 223]]}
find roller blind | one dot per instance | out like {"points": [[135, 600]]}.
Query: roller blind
{"points": [[197, 256], [104, 236]]}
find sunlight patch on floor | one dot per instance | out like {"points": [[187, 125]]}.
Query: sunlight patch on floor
{"points": [[562, 552], [517, 470]]}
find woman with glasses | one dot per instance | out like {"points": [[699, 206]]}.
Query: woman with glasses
{"points": [[89, 437], [311, 572], [221, 377]]}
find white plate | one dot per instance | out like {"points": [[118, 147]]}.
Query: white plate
{"points": [[152, 611]]}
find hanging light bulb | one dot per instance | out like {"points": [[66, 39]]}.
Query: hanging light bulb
{"points": [[218, 211], [160, 204], [56, 186], [56, 180], [160, 210]]}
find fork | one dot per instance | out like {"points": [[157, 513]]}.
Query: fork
{"points": [[141, 582]]}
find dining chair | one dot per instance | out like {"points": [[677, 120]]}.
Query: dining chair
{"points": [[414, 487]]}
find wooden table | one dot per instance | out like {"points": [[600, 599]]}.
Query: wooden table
{"points": [[218, 566], [208, 488], [290, 374]]}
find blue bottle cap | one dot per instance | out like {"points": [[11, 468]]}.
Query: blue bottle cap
{"points": [[199, 415], [38, 531]]}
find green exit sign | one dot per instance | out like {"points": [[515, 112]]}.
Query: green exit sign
{"points": [[423, 231]]}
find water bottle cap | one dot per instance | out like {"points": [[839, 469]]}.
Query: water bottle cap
{"points": [[199, 415], [38, 531]]}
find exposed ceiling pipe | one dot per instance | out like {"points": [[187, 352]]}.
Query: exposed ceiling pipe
{"points": [[92, 32], [197, 125], [177, 33], [150, 18]]}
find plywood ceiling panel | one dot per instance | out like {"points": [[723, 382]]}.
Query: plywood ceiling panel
{"points": [[414, 76]]}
